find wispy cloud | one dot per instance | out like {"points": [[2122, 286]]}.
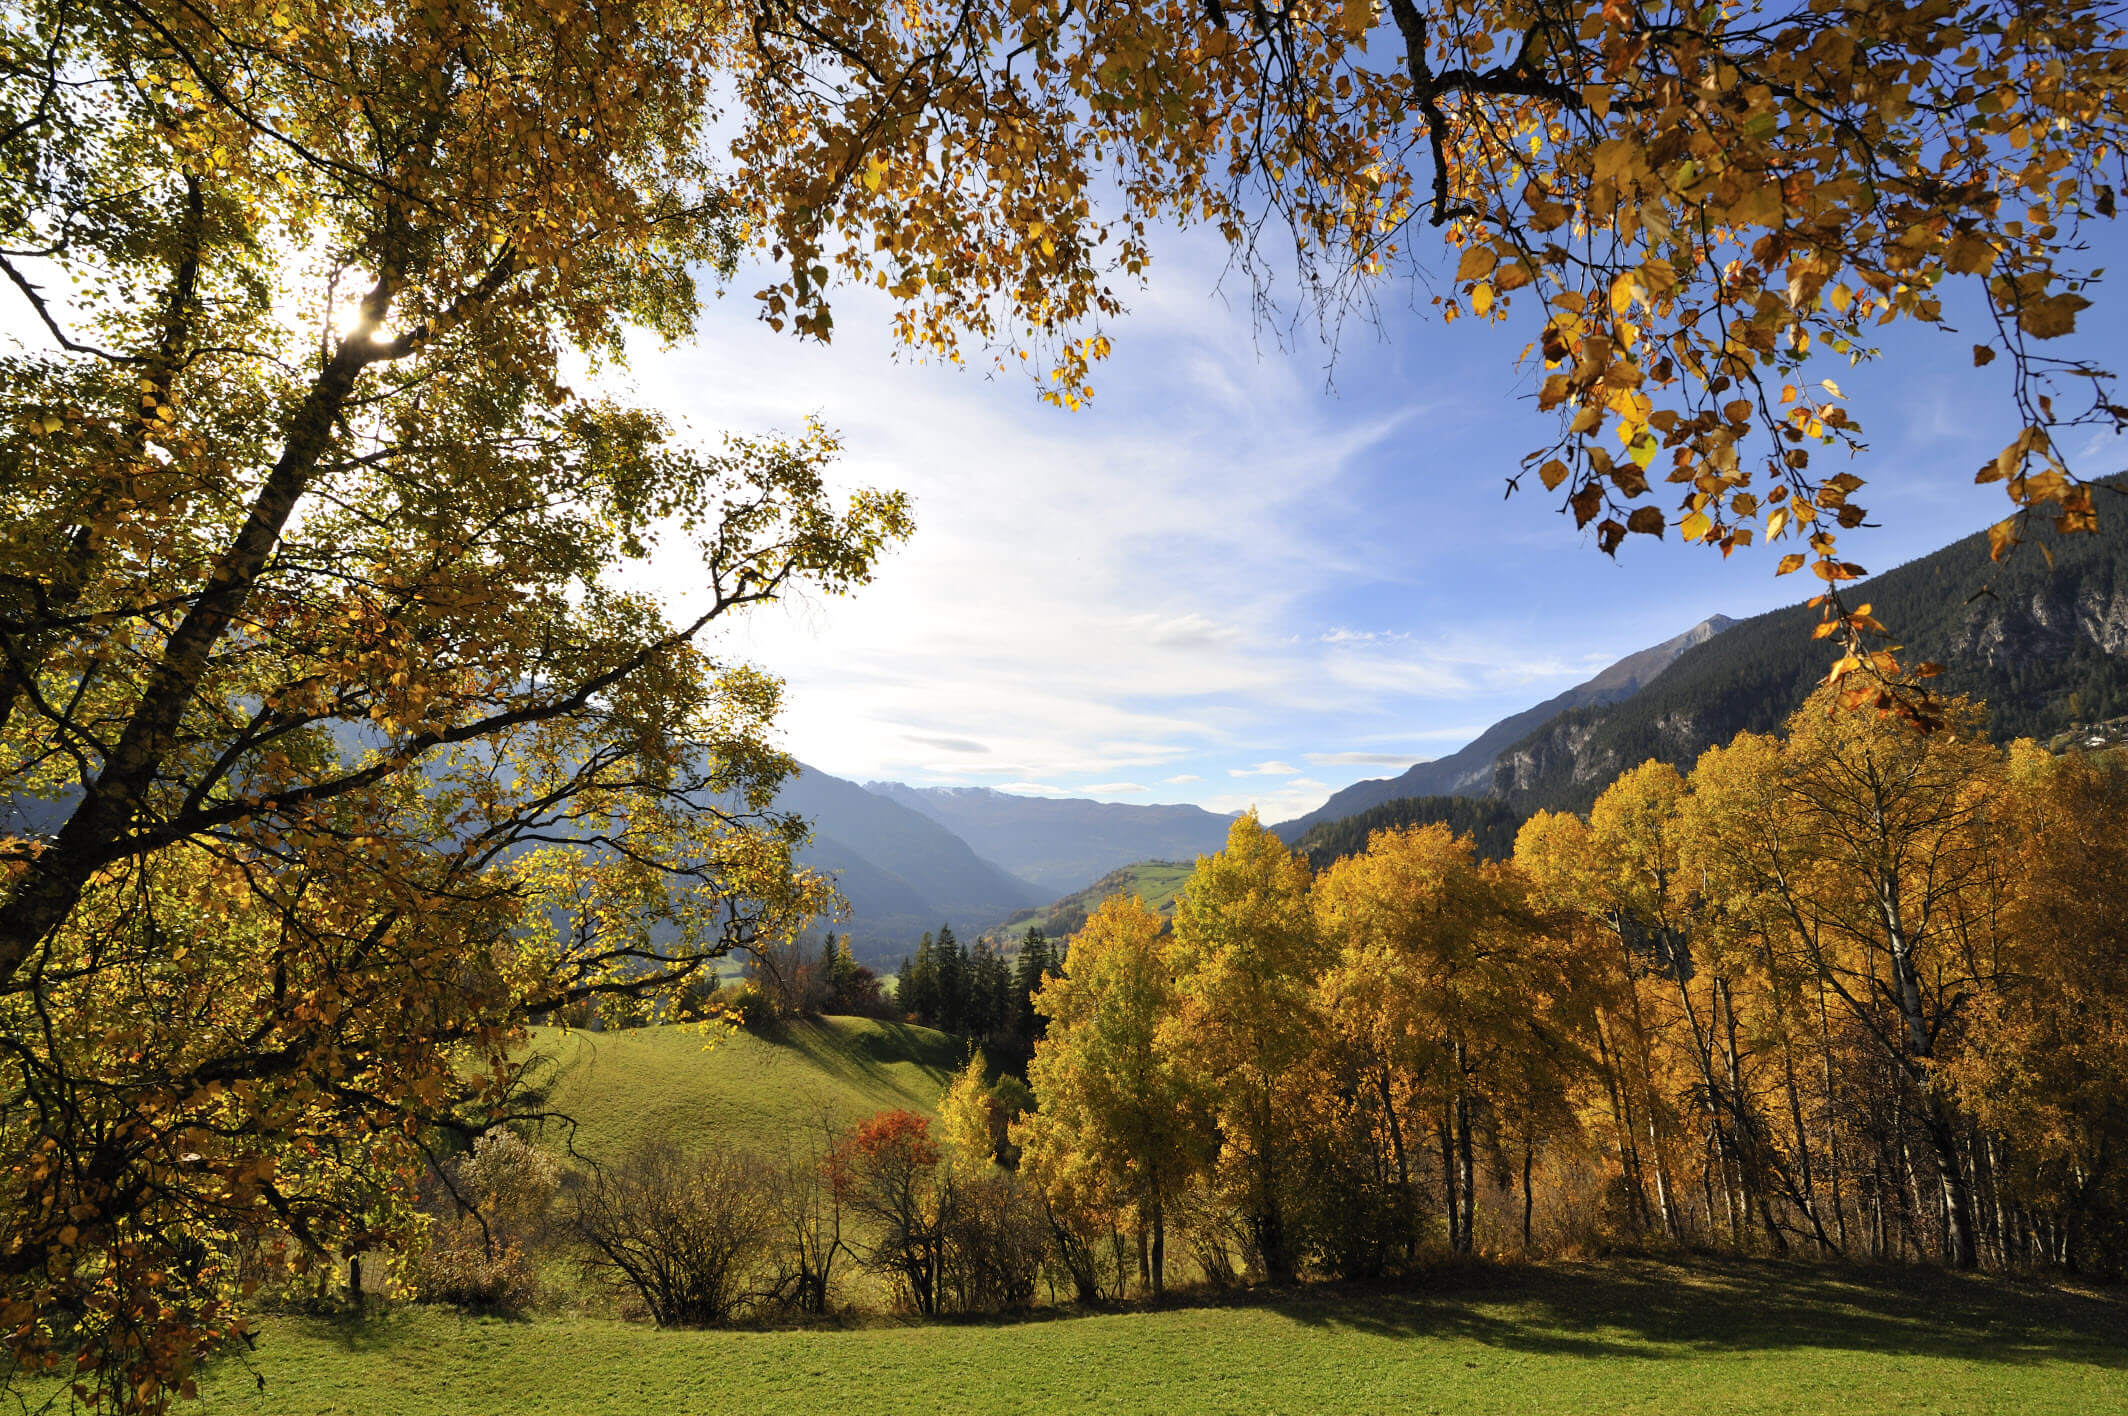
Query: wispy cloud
{"points": [[1220, 558], [947, 744], [1113, 788]]}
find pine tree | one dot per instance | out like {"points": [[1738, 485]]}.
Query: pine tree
{"points": [[1035, 964], [950, 1001]]}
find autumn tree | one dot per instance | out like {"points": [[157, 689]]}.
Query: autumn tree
{"points": [[1559, 861], [1120, 1122], [1449, 1002], [1246, 957], [888, 1173], [2045, 1072], [1898, 900]]}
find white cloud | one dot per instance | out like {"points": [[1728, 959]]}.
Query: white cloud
{"points": [[1265, 769], [1113, 788], [1182, 780], [1287, 800]]}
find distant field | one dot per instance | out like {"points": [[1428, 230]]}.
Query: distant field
{"points": [[671, 1082], [1590, 1340]]}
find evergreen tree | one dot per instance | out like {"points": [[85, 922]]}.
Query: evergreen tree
{"points": [[950, 999], [1034, 965]]}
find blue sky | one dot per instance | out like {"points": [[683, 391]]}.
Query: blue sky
{"points": [[1246, 574]]}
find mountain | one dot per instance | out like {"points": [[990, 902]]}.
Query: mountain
{"points": [[1469, 772], [1060, 845], [902, 872], [2047, 649]]}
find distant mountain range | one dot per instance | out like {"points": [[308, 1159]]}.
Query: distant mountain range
{"points": [[1469, 771], [1061, 844], [903, 859], [901, 872]]}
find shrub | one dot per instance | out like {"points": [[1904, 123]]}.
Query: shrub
{"points": [[997, 1237], [490, 1214], [685, 1232]]}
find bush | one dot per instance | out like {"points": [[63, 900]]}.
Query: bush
{"points": [[997, 1237], [686, 1233], [490, 1213], [748, 1004]]}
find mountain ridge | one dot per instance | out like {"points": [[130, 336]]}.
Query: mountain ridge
{"points": [[1468, 771], [2046, 646], [1062, 844]]}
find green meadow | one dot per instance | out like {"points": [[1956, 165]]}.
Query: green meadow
{"points": [[1628, 1336], [698, 1086]]}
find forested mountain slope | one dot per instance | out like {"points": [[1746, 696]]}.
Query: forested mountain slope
{"points": [[1492, 824], [2046, 649], [1468, 771]]}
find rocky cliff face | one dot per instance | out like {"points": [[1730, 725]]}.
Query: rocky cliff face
{"points": [[2049, 621]]}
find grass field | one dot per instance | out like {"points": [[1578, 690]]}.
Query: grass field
{"points": [[1638, 1337], [671, 1082]]}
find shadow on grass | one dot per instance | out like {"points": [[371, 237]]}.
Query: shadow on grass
{"points": [[1647, 1308]]}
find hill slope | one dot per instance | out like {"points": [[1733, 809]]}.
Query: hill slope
{"points": [[1157, 882], [2046, 650], [1061, 844], [1469, 771], [628, 1086]]}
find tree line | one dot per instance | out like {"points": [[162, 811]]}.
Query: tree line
{"points": [[1860, 991], [979, 993]]}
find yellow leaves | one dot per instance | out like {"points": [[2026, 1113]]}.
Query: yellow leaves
{"points": [[1617, 158], [1477, 263], [1552, 473], [1481, 299], [1790, 563], [2051, 317], [1625, 289], [2003, 536], [1355, 18], [1696, 526]]}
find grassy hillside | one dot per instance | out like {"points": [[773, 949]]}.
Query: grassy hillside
{"points": [[1157, 882], [1587, 1340], [737, 1089]]}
